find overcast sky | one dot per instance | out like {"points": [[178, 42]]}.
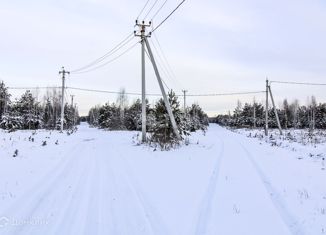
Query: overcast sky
{"points": [[212, 46]]}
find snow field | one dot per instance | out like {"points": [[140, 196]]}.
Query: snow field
{"points": [[99, 182]]}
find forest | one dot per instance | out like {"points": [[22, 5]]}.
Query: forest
{"points": [[28, 112], [291, 115]]}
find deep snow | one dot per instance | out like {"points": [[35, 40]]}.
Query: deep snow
{"points": [[100, 182]]}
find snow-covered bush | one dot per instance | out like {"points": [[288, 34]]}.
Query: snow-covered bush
{"points": [[11, 122]]}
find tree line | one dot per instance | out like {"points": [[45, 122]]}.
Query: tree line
{"points": [[27, 112], [121, 116], [291, 115]]}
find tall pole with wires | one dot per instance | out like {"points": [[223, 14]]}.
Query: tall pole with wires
{"points": [[266, 109], [72, 100], [275, 110], [63, 72], [184, 100], [254, 113], [73, 109], [142, 35]]}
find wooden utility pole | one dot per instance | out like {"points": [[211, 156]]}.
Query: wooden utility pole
{"points": [[266, 109], [63, 72], [142, 26]]}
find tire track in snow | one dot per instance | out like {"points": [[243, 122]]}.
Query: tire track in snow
{"points": [[150, 213], [206, 205], [93, 215], [74, 217], [149, 210], [29, 202], [60, 198], [108, 192], [288, 218]]}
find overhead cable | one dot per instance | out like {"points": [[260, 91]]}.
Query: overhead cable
{"points": [[168, 16], [149, 11], [300, 83], [142, 9], [160, 8], [108, 62], [121, 44]]}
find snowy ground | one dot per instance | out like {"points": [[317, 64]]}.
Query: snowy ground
{"points": [[99, 182], [305, 143]]}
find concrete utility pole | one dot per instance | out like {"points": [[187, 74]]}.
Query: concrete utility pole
{"points": [[254, 114], [266, 109], [72, 106], [142, 26], [72, 100], [5, 103], [63, 72], [166, 101], [184, 100], [275, 110]]}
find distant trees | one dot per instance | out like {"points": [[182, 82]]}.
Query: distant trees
{"points": [[158, 123], [292, 115], [28, 113], [4, 98]]}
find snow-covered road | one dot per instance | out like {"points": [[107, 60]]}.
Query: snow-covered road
{"points": [[99, 182]]}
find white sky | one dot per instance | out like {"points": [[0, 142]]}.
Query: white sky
{"points": [[213, 46]]}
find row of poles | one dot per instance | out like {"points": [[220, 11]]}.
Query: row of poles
{"points": [[144, 45]]}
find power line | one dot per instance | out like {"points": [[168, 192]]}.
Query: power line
{"points": [[109, 92], [110, 61], [300, 83], [125, 41], [174, 77], [163, 66], [138, 94], [151, 9], [143, 9], [229, 94], [168, 16], [160, 8], [161, 69], [32, 88], [134, 93]]}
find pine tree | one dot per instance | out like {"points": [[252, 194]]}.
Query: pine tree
{"points": [[29, 110], [4, 99], [162, 131], [133, 116], [47, 117], [197, 119]]}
